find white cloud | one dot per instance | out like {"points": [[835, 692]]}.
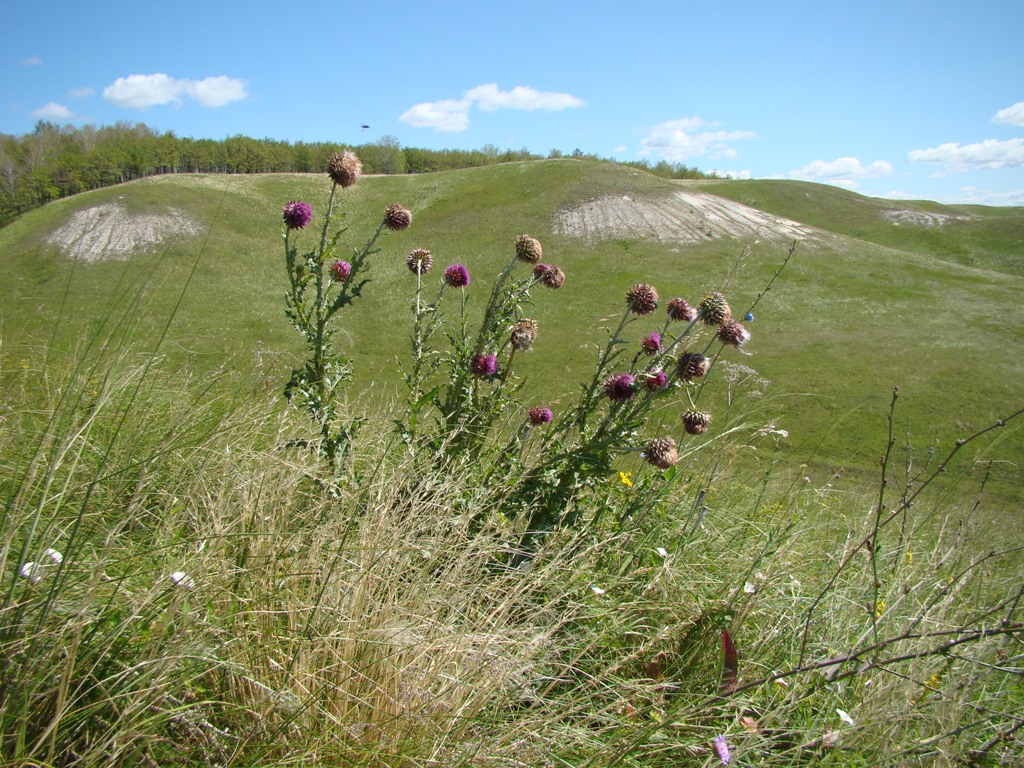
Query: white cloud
{"points": [[217, 91], [744, 174], [82, 93], [986, 154], [32, 61], [490, 99], [685, 139], [976, 196], [53, 111], [142, 91], [446, 116], [1011, 115], [452, 115], [844, 171]]}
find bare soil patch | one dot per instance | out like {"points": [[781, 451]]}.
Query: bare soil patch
{"points": [[685, 216], [108, 231], [920, 218]]}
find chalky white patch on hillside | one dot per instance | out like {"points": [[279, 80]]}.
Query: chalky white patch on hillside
{"points": [[108, 231], [920, 218], [685, 216]]}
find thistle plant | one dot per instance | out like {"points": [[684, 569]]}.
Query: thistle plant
{"points": [[320, 284]]}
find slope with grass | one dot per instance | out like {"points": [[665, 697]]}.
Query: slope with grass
{"points": [[182, 583], [878, 293]]}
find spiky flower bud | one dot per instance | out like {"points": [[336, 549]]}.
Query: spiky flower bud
{"points": [[680, 310], [714, 309], [297, 214], [696, 422], [528, 249], [731, 332], [419, 261], [661, 452], [344, 168], [539, 415], [396, 218], [620, 387], [524, 333], [642, 299], [692, 365], [340, 270]]}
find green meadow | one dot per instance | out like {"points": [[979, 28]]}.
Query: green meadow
{"points": [[216, 603]]}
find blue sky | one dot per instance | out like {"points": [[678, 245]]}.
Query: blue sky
{"points": [[892, 99]]}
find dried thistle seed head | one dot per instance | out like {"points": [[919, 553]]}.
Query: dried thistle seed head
{"points": [[539, 415], [620, 387], [528, 249], [419, 261], [396, 218], [642, 299], [297, 214], [344, 168], [696, 422], [733, 333], [524, 333], [680, 310], [661, 452], [552, 277], [692, 365], [714, 309]]}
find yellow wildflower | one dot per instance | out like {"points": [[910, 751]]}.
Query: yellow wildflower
{"points": [[626, 478]]}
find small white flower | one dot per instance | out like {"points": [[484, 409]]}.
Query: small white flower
{"points": [[749, 588], [597, 590], [845, 717], [662, 552], [54, 555], [183, 580], [31, 572], [760, 575]]}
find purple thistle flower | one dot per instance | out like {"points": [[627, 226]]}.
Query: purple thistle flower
{"points": [[456, 276], [652, 343], [620, 387], [539, 415], [484, 365], [655, 380], [340, 270], [297, 214]]}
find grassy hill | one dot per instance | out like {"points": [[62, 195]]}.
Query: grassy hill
{"points": [[919, 295], [183, 583]]}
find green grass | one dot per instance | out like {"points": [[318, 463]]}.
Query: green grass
{"points": [[373, 621], [371, 626], [836, 333]]}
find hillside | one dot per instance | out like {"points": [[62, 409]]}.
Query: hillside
{"points": [[879, 293]]}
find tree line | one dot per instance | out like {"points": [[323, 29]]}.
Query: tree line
{"points": [[57, 161]]}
